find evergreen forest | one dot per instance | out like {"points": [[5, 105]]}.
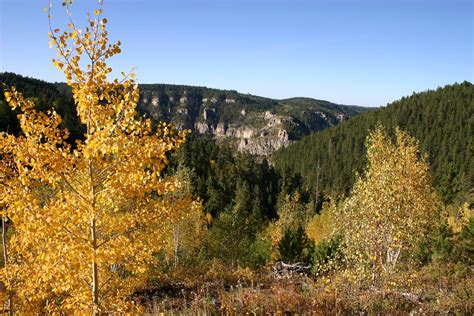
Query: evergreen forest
{"points": [[111, 205]]}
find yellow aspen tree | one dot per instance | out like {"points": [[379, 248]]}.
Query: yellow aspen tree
{"points": [[7, 178], [391, 208], [321, 226], [186, 229], [461, 219], [87, 219]]}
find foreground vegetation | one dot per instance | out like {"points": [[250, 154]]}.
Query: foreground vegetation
{"points": [[391, 246], [439, 290], [130, 218]]}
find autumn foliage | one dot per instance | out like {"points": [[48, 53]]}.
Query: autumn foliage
{"points": [[103, 225], [392, 207], [85, 221]]}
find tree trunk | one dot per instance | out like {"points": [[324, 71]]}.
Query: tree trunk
{"points": [[176, 244], [95, 279], [316, 197], [5, 261]]}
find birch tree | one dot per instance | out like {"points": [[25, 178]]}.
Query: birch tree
{"points": [[391, 208]]}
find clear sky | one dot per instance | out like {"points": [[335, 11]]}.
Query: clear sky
{"points": [[351, 52]]}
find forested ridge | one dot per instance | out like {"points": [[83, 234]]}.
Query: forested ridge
{"points": [[442, 120], [46, 97], [252, 217], [108, 211], [252, 123]]}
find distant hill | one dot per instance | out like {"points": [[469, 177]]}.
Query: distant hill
{"points": [[442, 120], [46, 96], [254, 124]]}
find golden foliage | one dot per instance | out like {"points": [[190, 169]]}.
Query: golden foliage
{"points": [[391, 208], [321, 226], [89, 219], [291, 214], [184, 233], [458, 221]]}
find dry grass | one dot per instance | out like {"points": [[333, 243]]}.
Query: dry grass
{"points": [[435, 289]]}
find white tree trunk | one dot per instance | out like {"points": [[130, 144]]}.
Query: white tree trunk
{"points": [[95, 277], [5, 260]]}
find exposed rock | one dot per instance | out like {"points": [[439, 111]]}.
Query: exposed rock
{"points": [[341, 117], [220, 129], [255, 125], [267, 141], [283, 134], [322, 114], [247, 133], [201, 128], [248, 139], [243, 132], [268, 115], [208, 113], [274, 121], [262, 145], [181, 125], [183, 111]]}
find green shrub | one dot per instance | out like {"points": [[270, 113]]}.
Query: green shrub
{"points": [[296, 247]]}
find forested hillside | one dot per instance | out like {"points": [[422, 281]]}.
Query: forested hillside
{"points": [[125, 199], [442, 120], [134, 216], [228, 112], [250, 123], [46, 96]]}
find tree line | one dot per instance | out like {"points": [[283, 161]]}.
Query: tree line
{"points": [[442, 120], [87, 223]]}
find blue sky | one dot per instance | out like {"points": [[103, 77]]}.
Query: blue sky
{"points": [[351, 52]]}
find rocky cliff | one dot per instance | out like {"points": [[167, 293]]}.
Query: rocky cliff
{"points": [[254, 124]]}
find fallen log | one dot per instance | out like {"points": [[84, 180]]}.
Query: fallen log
{"points": [[282, 269]]}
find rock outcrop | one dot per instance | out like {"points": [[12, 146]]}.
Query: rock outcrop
{"points": [[254, 124]]}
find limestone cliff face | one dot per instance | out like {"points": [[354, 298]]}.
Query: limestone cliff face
{"points": [[262, 140], [253, 124], [263, 146]]}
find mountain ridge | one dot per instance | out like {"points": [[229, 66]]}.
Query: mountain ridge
{"points": [[253, 124], [442, 120]]}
